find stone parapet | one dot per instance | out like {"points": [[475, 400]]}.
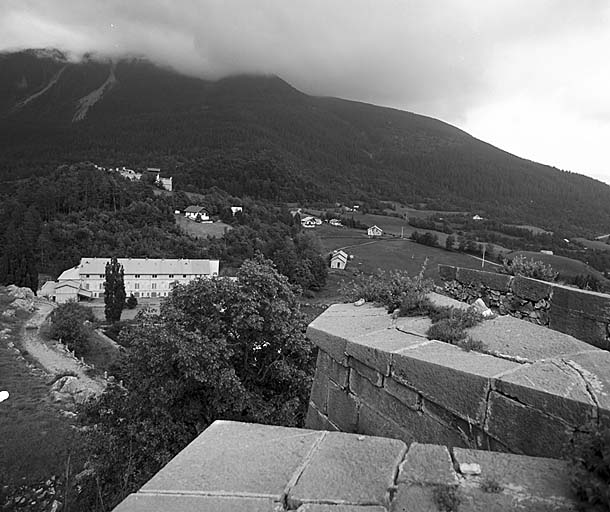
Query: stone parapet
{"points": [[580, 313], [529, 393], [260, 468]]}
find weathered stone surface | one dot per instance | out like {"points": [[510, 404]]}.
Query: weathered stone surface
{"points": [[474, 499], [273, 454], [579, 325], [407, 396], [531, 289], [524, 341], [332, 369], [319, 386], [594, 368], [449, 376], [349, 469], [592, 304], [500, 282], [375, 349], [378, 399], [447, 272], [442, 300], [427, 464], [414, 325], [537, 476], [316, 420], [342, 408], [372, 375], [524, 429], [371, 422], [470, 433], [317, 507], [180, 503], [550, 386]]}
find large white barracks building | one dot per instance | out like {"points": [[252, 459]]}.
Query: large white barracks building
{"points": [[144, 277]]}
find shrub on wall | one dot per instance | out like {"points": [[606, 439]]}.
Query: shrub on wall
{"points": [[521, 266]]}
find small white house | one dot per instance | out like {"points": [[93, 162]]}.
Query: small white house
{"points": [[374, 231], [197, 213], [477, 217], [338, 260], [236, 209], [545, 251], [335, 222], [308, 222]]}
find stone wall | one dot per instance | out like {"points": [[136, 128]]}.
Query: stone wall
{"points": [[234, 467], [529, 394], [580, 313]]}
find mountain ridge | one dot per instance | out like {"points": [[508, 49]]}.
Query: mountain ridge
{"points": [[258, 135]]}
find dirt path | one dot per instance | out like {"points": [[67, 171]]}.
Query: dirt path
{"points": [[51, 356]]}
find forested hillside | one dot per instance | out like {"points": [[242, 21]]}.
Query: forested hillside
{"points": [[258, 136]]}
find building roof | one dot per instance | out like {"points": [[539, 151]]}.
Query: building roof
{"points": [[147, 266], [375, 228], [70, 274], [339, 255], [195, 209]]}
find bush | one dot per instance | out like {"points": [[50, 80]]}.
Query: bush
{"points": [[591, 468], [391, 289], [69, 324], [131, 302], [521, 266], [450, 324]]}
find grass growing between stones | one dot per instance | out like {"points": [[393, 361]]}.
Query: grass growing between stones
{"points": [[404, 295], [492, 486]]}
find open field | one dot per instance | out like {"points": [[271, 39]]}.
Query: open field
{"points": [[565, 266], [199, 229], [534, 229], [97, 305], [593, 244], [34, 437]]}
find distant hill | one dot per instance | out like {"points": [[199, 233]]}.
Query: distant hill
{"points": [[259, 136]]}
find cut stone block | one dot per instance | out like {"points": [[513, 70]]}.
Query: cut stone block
{"points": [[524, 429], [375, 349], [319, 387], [316, 420], [524, 341], [342, 408], [414, 325], [500, 282], [371, 422], [443, 301], [579, 325], [372, 375], [272, 453], [407, 396], [538, 476], [592, 304], [531, 289], [447, 272], [318, 507], [332, 369], [552, 387], [180, 503], [349, 469], [427, 464], [594, 368], [449, 376]]}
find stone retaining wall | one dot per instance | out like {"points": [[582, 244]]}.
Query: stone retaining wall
{"points": [[580, 313], [529, 394], [234, 467]]}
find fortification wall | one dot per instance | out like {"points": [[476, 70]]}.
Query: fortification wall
{"points": [[234, 467], [580, 313], [530, 394]]}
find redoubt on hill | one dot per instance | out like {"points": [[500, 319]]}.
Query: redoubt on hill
{"points": [[259, 136]]}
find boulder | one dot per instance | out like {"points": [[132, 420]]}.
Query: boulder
{"points": [[20, 292]]}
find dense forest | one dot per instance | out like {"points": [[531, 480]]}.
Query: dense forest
{"points": [[260, 137], [48, 223]]}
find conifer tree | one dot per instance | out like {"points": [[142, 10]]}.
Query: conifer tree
{"points": [[114, 290]]}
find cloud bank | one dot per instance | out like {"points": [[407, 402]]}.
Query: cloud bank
{"points": [[527, 75]]}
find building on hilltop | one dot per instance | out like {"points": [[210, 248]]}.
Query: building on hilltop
{"points": [[144, 277], [338, 260], [166, 183]]}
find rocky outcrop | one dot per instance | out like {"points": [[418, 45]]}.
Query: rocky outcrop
{"points": [[69, 391]]}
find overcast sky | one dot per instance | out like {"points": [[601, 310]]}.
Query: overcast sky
{"points": [[529, 76]]}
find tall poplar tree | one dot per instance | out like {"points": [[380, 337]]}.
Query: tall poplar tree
{"points": [[114, 290]]}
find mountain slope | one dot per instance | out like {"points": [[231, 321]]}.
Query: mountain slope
{"points": [[257, 135]]}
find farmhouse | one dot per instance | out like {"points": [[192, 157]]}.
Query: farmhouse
{"points": [[335, 222], [374, 231], [236, 209], [197, 213], [143, 277], [310, 222], [338, 260]]}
